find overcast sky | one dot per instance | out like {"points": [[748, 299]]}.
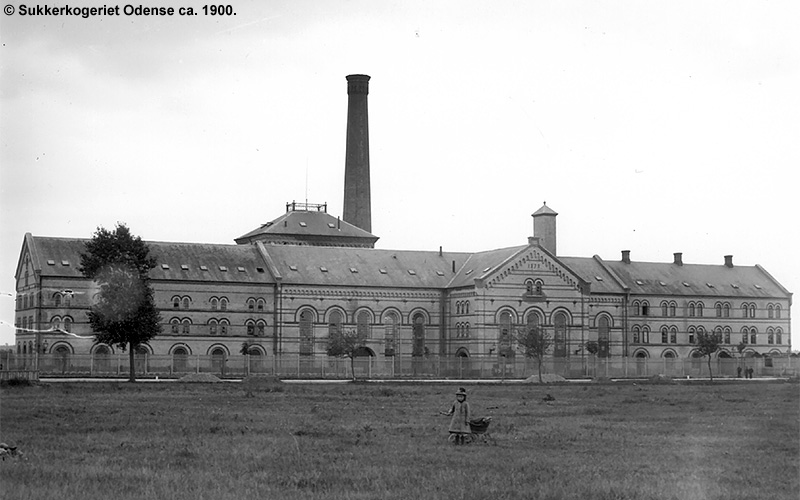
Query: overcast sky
{"points": [[655, 127]]}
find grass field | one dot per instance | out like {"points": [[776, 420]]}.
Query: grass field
{"points": [[270, 440]]}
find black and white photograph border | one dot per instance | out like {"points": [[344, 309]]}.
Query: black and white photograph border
{"points": [[663, 135]]}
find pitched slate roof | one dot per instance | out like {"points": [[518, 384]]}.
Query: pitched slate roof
{"points": [[364, 266], [594, 273], [655, 278], [60, 257], [304, 264], [481, 264], [309, 225]]}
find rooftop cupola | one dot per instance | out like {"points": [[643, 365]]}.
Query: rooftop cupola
{"points": [[544, 227]]}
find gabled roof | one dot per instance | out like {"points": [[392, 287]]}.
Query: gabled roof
{"points": [[310, 226], [60, 257], [310, 265], [481, 264], [655, 278], [593, 272]]}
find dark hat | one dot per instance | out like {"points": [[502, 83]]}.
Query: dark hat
{"points": [[461, 392]]}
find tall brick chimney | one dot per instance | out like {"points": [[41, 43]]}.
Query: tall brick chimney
{"points": [[357, 205]]}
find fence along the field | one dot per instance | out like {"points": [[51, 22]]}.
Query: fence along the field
{"points": [[295, 366]]}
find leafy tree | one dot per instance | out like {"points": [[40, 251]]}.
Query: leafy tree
{"points": [[534, 343], [707, 344], [124, 312], [345, 344], [592, 347]]}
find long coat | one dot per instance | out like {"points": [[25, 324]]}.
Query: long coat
{"points": [[459, 422]]}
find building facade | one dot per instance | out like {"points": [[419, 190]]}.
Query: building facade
{"points": [[278, 296], [284, 287]]}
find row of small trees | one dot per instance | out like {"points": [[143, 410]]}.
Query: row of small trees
{"points": [[124, 313]]}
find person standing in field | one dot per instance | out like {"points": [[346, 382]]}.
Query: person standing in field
{"points": [[460, 416]]}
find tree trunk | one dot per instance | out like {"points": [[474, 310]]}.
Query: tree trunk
{"points": [[539, 362], [132, 375], [353, 367], [711, 375]]}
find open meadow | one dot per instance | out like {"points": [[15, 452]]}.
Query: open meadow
{"points": [[272, 440]]}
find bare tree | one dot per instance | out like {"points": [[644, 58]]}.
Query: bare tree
{"points": [[534, 343]]}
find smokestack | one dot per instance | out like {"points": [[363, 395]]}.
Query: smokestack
{"points": [[626, 256], [357, 209], [678, 258], [729, 261]]}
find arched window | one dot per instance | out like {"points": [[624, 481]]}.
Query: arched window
{"points": [[726, 310], [223, 326], [466, 330], [504, 336], [532, 321], [362, 325], [214, 303], [770, 312], [637, 334], [418, 348], [212, 326], [251, 304], [753, 337], [744, 310], [186, 322], [176, 302], [186, 302], [664, 335], [260, 304], [778, 336], [603, 343], [57, 298], [726, 335], [458, 308], [389, 334], [752, 310], [180, 358], [68, 324], [307, 332], [700, 309], [692, 313], [664, 308], [529, 287], [223, 304], [218, 356], [560, 335], [335, 321], [718, 309], [261, 328], [673, 335], [174, 325], [770, 335], [250, 325], [466, 307], [778, 311], [67, 300], [673, 308], [538, 287]]}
